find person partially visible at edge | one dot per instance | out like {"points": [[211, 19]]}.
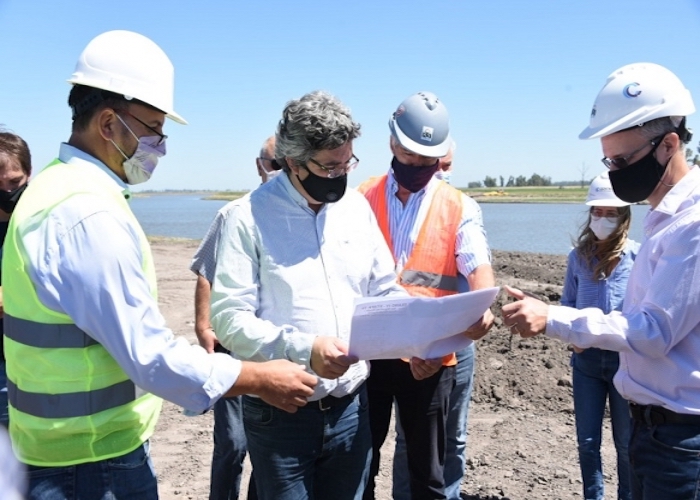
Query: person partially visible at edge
{"points": [[436, 233], [596, 276], [460, 396], [640, 118], [267, 166], [88, 353], [15, 169], [444, 170], [229, 436], [293, 256]]}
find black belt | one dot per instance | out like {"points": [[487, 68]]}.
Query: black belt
{"points": [[657, 415], [329, 402]]}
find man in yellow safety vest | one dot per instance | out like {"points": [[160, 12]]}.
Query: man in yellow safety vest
{"points": [[88, 353]]}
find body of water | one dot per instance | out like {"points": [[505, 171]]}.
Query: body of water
{"points": [[543, 228]]}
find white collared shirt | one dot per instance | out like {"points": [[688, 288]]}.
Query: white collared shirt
{"points": [[85, 261], [658, 331], [285, 275]]}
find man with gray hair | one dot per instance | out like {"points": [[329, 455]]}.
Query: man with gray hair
{"points": [[293, 257]]}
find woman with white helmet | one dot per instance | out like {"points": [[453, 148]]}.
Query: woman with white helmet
{"points": [[596, 276]]}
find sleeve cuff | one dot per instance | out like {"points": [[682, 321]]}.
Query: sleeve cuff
{"points": [[224, 374], [558, 323], [299, 348]]}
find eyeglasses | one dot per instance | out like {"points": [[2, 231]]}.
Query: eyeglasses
{"points": [[337, 171], [620, 163], [163, 137]]}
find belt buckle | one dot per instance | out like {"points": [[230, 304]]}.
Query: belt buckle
{"points": [[321, 405]]}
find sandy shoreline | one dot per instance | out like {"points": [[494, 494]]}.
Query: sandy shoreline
{"points": [[521, 427]]}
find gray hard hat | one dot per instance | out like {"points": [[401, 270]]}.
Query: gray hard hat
{"points": [[421, 124]]}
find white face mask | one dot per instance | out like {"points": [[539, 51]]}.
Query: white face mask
{"points": [[444, 175], [271, 174], [143, 162], [603, 227]]}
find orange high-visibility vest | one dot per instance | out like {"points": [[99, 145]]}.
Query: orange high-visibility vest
{"points": [[431, 269]]}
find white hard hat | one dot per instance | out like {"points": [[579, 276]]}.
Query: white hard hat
{"points": [[634, 95], [129, 64], [601, 194], [421, 125]]}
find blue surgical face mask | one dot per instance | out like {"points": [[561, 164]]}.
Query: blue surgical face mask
{"points": [[444, 175], [140, 166]]}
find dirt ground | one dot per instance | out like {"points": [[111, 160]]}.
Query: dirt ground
{"points": [[521, 424]]}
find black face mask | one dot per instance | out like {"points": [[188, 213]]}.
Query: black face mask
{"points": [[636, 182], [322, 189], [413, 178], [8, 199]]}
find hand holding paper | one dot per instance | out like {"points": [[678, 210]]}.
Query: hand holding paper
{"points": [[426, 328]]}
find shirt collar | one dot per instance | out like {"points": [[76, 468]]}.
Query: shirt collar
{"points": [[72, 155], [679, 193]]}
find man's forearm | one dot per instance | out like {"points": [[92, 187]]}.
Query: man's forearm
{"points": [[202, 296]]}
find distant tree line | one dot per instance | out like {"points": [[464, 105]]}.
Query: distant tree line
{"points": [[691, 156], [520, 181]]}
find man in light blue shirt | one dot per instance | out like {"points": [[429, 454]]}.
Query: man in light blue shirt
{"points": [[293, 257]]}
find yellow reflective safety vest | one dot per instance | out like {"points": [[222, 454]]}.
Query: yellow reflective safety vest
{"points": [[431, 269], [69, 400]]}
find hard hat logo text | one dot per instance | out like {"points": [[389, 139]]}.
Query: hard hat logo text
{"points": [[427, 134]]}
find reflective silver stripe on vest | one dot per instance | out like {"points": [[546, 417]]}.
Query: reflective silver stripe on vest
{"points": [[429, 280], [46, 336], [72, 404]]}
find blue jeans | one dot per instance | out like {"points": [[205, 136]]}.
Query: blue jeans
{"points": [[129, 477], [229, 451], [4, 416], [665, 461], [311, 454], [593, 372], [455, 451]]}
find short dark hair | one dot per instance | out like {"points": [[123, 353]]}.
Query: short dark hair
{"points": [[87, 101], [13, 145]]}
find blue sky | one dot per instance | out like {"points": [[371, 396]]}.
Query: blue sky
{"points": [[518, 76]]}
